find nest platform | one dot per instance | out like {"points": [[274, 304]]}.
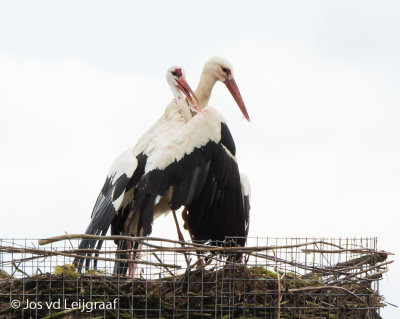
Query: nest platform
{"points": [[301, 278]]}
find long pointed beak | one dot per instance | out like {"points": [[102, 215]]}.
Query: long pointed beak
{"points": [[232, 87], [186, 89]]}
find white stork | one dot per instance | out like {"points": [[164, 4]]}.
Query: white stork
{"points": [[193, 165], [114, 201], [217, 69], [197, 168]]}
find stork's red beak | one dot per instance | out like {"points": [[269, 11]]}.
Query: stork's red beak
{"points": [[232, 87], [186, 89]]}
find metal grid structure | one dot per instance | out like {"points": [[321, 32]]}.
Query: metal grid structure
{"points": [[278, 278]]}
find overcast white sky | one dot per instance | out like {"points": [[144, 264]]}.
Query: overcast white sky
{"points": [[81, 81]]}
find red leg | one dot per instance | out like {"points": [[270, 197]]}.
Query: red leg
{"points": [[129, 255], [128, 232], [180, 236], [134, 265]]}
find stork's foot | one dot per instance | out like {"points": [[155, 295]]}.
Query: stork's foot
{"points": [[200, 262]]}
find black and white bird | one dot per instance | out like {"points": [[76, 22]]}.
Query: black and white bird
{"points": [[117, 195], [185, 159], [214, 218], [197, 168]]}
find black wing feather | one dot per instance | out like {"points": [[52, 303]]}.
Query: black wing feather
{"points": [[218, 210], [207, 182], [104, 213]]}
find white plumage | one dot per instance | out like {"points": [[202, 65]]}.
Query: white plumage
{"points": [[185, 159], [118, 191]]}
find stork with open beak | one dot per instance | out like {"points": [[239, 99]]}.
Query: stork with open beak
{"points": [[115, 200]]}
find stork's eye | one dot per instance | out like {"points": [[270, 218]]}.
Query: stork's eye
{"points": [[178, 72], [174, 73], [226, 71]]}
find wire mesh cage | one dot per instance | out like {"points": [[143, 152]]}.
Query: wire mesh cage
{"points": [[275, 278]]}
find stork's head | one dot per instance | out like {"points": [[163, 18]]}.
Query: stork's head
{"points": [[221, 70], [176, 80]]}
